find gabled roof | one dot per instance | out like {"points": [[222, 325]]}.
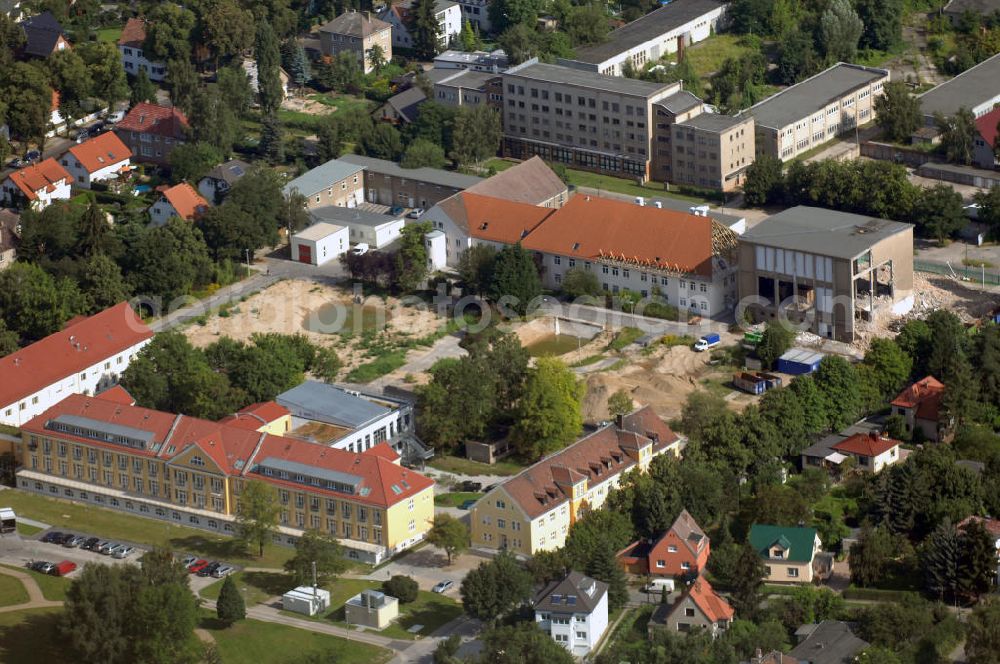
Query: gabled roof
{"points": [[355, 24], [83, 344], [256, 415], [101, 151], [688, 531], [830, 642], [322, 177], [531, 182], [925, 396], [187, 202], [987, 125], [407, 103], [39, 177], [383, 450], [714, 607], [992, 526], [42, 32], [493, 219], [148, 118], [576, 593], [118, 394], [866, 444], [134, 33], [592, 228], [229, 171], [798, 541]]}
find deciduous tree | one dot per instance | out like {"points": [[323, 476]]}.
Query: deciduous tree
{"points": [[477, 135], [403, 588], [982, 644], [897, 112], [422, 152], [516, 283], [495, 588], [316, 548], [774, 342], [548, 414], [619, 403], [449, 534], [958, 135], [840, 30], [257, 516]]}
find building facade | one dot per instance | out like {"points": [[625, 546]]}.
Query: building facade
{"points": [[698, 609], [470, 88], [356, 32], [975, 89], [920, 407], [98, 159], [180, 200], [130, 45], [711, 151], [573, 612], [388, 183], [320, 243], [335, 183], [787, 552], [37, 186], [399, 16], [151, 132]]}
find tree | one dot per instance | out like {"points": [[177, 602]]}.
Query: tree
{"points": [[226, 28], [102, 284], [382, 141], [507, 13], [522, 643], [313, 548], [234, 89], [469, 38], [104, 66], [268, 65], [168, 32], [411, 257], [891, 366], [33, 304], [958, 135], [548, 414], [168, 261], [587, 25], [257, 514], [477, 134], [982, 643], [450, 534], [329, 139], [871, 555], [603, 566], [189, 162], [774, 342], [516, 284], [763, 181], [495, 588], [979, 560], [230, 607], [425, 30], [143, 89], [897, 112], [578, 282], [883, 21], [940, 559], [423, 152], [989, 209], [840, 29], [520, 42], [619, 403], [938, 212], [403, 588], [71, 76], [272, 143], [9, 341], [797, 58], [28, 96], [475, 267], [293, 55], [748, 579], [182, 79], [213, 120], [837, 380]]}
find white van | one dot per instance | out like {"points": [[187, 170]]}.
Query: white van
{"points": [[660, 586]]}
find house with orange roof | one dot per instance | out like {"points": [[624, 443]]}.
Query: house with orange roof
{"points": [[87, 356], [680, 553], [130, 45], [37, 186], [151, 132], [534, 510], [699, 608], [920, 407], [180, 200], [101, 158], [872, 451], [190, 471]]}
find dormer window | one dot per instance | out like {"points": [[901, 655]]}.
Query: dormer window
{"points": [[778, 553]]}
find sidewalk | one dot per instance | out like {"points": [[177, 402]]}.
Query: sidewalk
{"points": [[36, 600]]}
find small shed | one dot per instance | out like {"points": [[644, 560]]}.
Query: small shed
{"points": [[371, 608], [320, 243], [8, 520], [799, 361], [306, 600]]}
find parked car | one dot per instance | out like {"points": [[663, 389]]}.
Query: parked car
{"points": [[32, 156], [66, 539], [82, 135], [123, 551], [471, 487], [187, 561], [41, 566], [442, 586], [91, 543], [659, 586], [62, 568], [360, 249], [74, 541], [209, 569], [396, 209], [467, 505], [198, 565], [16, 162], [52, 536], [223, 571], [116, 117], [416, 213], [107, 547]]}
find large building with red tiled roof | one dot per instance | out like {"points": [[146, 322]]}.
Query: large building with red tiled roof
{"points": [[920, 407], [533, 510], [87, 356], [698, 608], [180, 200], [192, 472], [101, 158], [37, 186], [151, 132], [130, 45]]}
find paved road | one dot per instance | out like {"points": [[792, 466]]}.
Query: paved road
{"points": [[54, 147]]}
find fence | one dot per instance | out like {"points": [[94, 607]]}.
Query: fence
{"points": [[968, 273]]}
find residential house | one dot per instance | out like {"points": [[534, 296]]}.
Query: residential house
{"points": [[336, 182], [97, 159], [920, 407], [699, 608], [822, 454], [788, 552], [364, 227], [10, 237], [151, 132], [186, 470], [984, 151], [825, 269], [180, 200], [493, 62], [218, 181], [400, 17], [388, 183], [530, 181], [43, 36], [477, 13], [955, 10], [534, 510], [680, 553], [659, 33], [87, 356], [402, 108], [131, 44], [356, 32], [992, 527], [975, 89], [469, 88], [871, 451], [37, 186], [817, 110], [829, 642], [573, 612]]}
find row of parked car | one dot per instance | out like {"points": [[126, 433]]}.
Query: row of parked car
{"points": [[202, 567], [55, 569], [96, 544]]}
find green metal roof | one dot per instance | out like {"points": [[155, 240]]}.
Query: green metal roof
{"points": [[798, 541]]}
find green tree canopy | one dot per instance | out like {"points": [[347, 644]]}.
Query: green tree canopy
{"points": [[449, 534], [495, 588], [230, 607], [516, 283], [897, 112], [257, 515], [548, 414], [321, 549]]}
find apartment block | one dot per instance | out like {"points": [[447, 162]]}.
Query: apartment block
{"points": [[817, 109], [582, 119], [470, 88], [712, 151], [335, 183], [976, 88], [400, 17], [356, 32]]}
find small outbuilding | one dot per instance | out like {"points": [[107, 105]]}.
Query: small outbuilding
{"points": [[306, 600], [371, 608], [799, 361], [8, 520], [320, 243]]}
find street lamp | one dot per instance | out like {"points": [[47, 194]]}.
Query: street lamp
{"points": [[247, 251]]}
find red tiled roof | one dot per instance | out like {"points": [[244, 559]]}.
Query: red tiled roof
{"points": [[987, 126], [148, 118], [256, 415], [187, 202], [494, 219], [711, 604], [237, 450], [383, 450], [39, 177], [134, 33], [101, 151], [924, 395], [118, 394], [866, 444], [992, 526], [689, 532], [591, 228], [69, 351]]}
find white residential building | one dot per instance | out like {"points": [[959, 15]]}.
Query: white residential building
{"points": [[97, 159], [574, 612], [399, 16], [364, 227], [37, 186], [130, 45], [181, 200]]}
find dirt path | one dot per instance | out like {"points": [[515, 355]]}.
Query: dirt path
{"points": [[36, 600]]}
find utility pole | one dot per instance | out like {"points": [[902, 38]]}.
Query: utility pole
{"points": [[247, 251]]}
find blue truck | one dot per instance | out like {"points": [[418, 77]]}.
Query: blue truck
{"points": [[710, 340]]}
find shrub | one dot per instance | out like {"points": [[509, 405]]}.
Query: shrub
{"points": [[402, 588]]}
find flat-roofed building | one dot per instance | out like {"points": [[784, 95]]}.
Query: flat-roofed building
{"points": [[583, 119], [712, 150], [977, 89], [493, 62], [648, 38], [825, 269], [364, 227], [817, 109], [470, 88]]}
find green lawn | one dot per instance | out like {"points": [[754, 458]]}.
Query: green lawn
{"points": [[255, 587], [27, 529], [53, 587], [12, 591], [103, 522], [343, 103], [455, 499], [452, 464], [29, 637], [706, 57], [270, 643], [109, 34], [625, 337]]}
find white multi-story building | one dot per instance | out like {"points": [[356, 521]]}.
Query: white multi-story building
{"points": [[36, 186], [98, 159], [573, 612], [130, 45], [85, 357], [399, 16]]}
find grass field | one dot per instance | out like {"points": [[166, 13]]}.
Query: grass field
{"points": [[28, 529], [12, 591], [255, 587], [28, 637], [452, 464], [455, 499], [706, 57], [109, 35], [625, 337], [102, 522], [53, 587]]}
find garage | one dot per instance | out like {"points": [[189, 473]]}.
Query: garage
{"points": [[320, 243]]}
